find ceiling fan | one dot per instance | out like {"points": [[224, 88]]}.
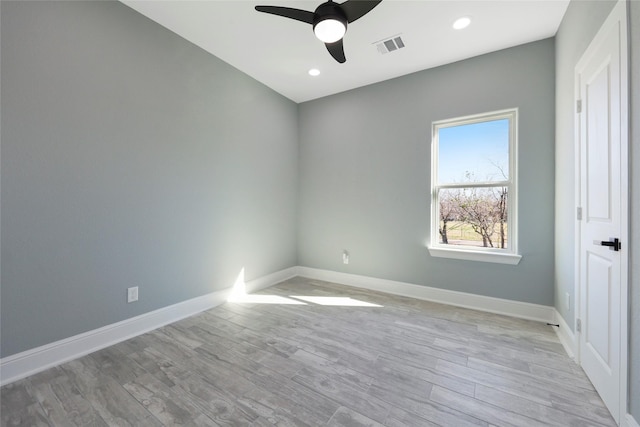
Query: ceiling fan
{"points": [[329, 20]]}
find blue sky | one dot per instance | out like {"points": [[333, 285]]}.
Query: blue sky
{"points": [[474, 148]]}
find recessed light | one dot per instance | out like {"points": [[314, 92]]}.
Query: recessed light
{"points": [[461, 23], [314, 72]]}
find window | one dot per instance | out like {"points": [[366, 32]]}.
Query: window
{"points": [[473, 183]]}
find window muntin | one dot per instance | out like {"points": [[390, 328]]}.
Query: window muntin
{"points": [[474, 184]]}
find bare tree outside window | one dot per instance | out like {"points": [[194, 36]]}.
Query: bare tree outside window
{"points": [[474, 217], [449, 215]]}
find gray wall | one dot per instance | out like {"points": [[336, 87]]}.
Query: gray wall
{"points": [[365, 173], [580, 24], [634, 327], [131, 157]]}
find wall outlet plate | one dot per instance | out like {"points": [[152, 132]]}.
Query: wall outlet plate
{"points": [[132, 294]]}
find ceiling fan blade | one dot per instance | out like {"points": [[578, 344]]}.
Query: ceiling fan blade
{"points": [[355, 9], [288, 12], [337, 51]]}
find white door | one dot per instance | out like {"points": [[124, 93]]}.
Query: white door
{"points": [[601, 86]]}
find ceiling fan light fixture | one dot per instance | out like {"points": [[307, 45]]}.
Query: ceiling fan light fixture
{"points": [[329, 20], [330, 30]]}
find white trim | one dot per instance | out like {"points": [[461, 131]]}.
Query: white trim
{"points": [[511, 308], [565, 335], [620, 13], [629, 421], [21, 365], [577, 228], [471, 255]]}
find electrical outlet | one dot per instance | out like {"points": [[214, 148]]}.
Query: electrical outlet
{"points": [[132, 294], [345, 257], [567, 302]]}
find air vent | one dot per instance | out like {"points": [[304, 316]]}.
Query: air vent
{"points": [[390, 44]]}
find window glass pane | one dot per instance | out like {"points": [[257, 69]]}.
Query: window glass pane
{"points": [[477, 152], [474, 216]]}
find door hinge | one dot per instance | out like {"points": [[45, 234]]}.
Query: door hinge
{"points": [[579, 106], [579, 213], [578, 325]]}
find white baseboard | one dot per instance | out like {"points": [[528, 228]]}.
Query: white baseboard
{"points": [[511, 308], [630, 421], [21, 365], [566, 335]]}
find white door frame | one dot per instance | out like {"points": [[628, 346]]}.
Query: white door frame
{"points": [[617, 17]]}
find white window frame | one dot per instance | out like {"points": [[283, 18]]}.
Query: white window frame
{"points": [[508, 255]]}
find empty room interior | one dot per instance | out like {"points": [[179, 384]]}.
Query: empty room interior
{"points": [[209, 218]]}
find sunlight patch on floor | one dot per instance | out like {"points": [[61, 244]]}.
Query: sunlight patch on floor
{"points": [[239, 295], [264, 299], [337, 301]]}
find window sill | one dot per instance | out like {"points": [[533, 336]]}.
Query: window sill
{"points": [[472, 255]]}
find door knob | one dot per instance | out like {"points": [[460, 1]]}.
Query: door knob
{"points": [[612, 243]]}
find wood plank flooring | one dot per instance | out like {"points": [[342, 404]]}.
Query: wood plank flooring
{"points": [[391, 362]]}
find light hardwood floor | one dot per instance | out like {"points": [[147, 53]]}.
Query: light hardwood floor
{"points": [[403, 362]]}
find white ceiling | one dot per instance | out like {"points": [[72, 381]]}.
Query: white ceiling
{"points": [[279, 52]]}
